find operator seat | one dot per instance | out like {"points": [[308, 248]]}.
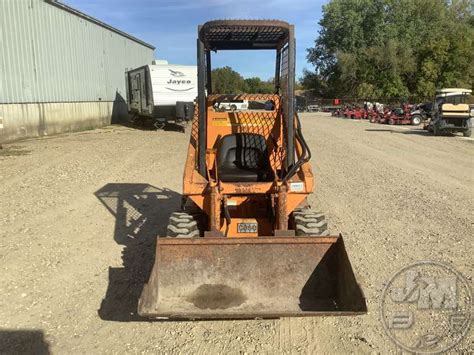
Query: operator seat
{"points": [[243, 157]]}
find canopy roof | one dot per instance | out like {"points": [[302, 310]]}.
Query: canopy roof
{"points": [[244, 34], [454, 90]]}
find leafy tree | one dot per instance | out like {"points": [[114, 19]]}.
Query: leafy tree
{"points": [[256, 85], [314, 83], [392, 48], [227, 81]]}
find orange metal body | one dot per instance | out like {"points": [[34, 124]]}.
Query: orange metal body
{"points": [[245, 200], [249, 260]]}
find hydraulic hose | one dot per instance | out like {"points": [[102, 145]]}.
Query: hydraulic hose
{"points": [[305, 154], [228, 220]]}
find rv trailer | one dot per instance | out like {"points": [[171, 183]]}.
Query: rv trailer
{"points": [[162, 93]]}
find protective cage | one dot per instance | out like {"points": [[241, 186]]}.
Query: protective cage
{"points": [[249, 35]]}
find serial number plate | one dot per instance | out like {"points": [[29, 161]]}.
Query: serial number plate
{"points": [[247, 227]]}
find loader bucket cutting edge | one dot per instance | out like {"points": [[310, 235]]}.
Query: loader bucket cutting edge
{"points": [[265, 277]]}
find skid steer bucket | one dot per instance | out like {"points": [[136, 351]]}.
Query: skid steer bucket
{"points": [[209, 278]]}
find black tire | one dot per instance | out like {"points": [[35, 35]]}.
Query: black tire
{"points": [[182, 225], [233, 107], [467, 133], [391, 121], [416, 120], [310, 223]]}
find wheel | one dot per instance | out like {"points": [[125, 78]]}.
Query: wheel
{"points": [[416, 120], [182, 225], [467, 133], [233, 107], [391, 121], [310, 223]]}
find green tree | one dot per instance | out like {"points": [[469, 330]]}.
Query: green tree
{"points": [[388, 48], [256, 85], [225, 80]]}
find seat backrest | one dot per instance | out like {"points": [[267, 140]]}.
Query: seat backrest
{"points": [[398, 111], [448, 107], [245, 150], [449, 110]]}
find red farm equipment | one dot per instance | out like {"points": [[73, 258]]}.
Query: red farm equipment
{"points": [[402, 116], [353, 113], [357, 113], [346, 113], [384, 116], [372, 115]]}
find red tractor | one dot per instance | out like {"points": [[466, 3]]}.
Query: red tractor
{"points": [[402, 116], [354, 113], [347, 113], [357, 113], [372, 115], [385, 116]]}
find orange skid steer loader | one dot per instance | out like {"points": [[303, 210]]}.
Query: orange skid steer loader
{"points": [[246, 244]]}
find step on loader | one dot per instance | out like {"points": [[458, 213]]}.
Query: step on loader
{"points": [[246, 244]]}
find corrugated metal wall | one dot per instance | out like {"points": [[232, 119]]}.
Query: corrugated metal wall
{"points": [[51, 55]]}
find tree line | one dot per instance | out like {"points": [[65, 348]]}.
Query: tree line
{"points": [[225, 80], [392, 48]]}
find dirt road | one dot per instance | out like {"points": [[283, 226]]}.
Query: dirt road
{"points": [[79, 215]]}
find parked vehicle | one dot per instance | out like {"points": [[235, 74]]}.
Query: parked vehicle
{"points": [[358, 114], [162, 92], [421, 113], [372, 115], [385, 116], [313, 108], [402, 116], [232, 105], [347, 112], [451, 112]]}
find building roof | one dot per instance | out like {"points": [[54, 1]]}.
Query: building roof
{"points": [[97, 22]]}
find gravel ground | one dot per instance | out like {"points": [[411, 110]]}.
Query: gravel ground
{"points": [[79, 214]]}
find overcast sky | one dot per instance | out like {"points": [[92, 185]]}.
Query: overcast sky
{"points": [[171, 26]]}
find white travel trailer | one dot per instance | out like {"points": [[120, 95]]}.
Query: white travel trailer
{"points": [[162, 91]]}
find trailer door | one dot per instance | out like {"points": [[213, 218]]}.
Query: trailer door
{"points": [[143, 93], [136, 92]]}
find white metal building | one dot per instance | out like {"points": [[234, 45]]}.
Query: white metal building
{"points": [[60, 69]]}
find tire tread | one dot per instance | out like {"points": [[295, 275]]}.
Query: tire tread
{"points": [[310, 223]]}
